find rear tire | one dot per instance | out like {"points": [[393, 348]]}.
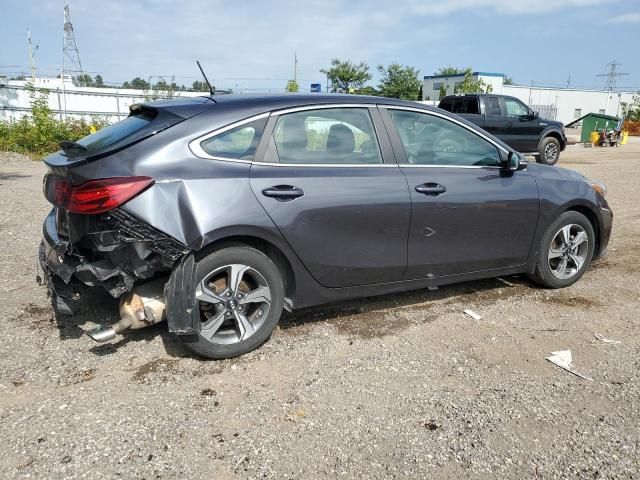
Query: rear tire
{"points": [[549, 151], [565, 251], [241, 297]]}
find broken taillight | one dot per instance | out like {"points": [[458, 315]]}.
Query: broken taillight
{"points": [[94, 196]]}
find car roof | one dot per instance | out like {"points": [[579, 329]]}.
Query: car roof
{"points": [[284, 100]]}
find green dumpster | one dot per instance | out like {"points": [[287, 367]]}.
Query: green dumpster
{"points": [[592, 122]]}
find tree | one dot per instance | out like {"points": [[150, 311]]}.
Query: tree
{"points": [[443, 91], [632, 112], [469, 85], [399, 81], [98, 82], [83, 80], [199, 86], [345, 75], [369, 90], [139, 84], [507, 80], [292, 86], [449, 71], [161, 89]]}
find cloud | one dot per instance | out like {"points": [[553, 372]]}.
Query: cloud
{"points": [[254, 41], [510, 7], [625, 18]]}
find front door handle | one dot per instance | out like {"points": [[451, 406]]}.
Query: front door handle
{"points": [[431, 188], [283, 193]]}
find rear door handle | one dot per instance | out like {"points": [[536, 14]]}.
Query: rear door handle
{"points": [[431, 188], [283, 193]]}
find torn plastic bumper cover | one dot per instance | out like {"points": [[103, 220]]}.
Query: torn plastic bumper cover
{"points": [[114, 251]]}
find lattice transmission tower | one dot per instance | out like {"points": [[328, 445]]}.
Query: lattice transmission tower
{"points": [[70, 53], [612, 75]]}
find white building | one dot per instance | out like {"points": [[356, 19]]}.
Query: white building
{"points": [[69, 101], [563, 104]]}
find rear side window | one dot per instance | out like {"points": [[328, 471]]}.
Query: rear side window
{"points": [[446, 104], [492, 106], [468, 105], [238, 143]]}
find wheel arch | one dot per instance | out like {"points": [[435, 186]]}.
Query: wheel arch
{"points": [[554, 134], [261, 243]]}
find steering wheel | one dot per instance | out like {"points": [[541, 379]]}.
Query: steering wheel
{"points": [[449, 145]]}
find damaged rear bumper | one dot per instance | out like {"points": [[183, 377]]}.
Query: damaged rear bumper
{"points": [[113, 251]]}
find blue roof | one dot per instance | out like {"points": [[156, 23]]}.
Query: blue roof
{"points": [[483, 74]]}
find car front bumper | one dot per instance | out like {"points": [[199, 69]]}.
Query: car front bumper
{"points": [[605, 220]]}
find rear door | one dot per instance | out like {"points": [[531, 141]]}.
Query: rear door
{"points": [[468, 215], [331, 185], [494, 120]]}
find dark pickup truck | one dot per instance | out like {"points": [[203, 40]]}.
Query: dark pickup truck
{"points": [[511, 121]]}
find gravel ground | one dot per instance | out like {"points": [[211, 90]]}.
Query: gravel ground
{"points": [[391, 387]]}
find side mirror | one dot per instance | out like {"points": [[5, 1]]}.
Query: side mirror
{"points": [[512, 163]]}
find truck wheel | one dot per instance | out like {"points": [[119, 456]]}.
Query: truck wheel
{"points": [[549, 151]]}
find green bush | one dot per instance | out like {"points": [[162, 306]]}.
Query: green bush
{"points": [[40, 134]]}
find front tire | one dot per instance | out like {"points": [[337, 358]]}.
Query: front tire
{"points": [[565, 251], [549, 151], [241, 297]]}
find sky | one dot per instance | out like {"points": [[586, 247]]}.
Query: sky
{"points": [[249, 44]]}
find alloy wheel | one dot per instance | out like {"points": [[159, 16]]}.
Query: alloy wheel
{"points": [[551, 152], [234, 302], [568, 251]]}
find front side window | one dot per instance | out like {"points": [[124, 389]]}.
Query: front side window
{"points": [[238, 143], [515, 108], [432, 140], [326, 136]]}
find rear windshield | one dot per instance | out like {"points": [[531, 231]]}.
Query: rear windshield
{"points": [[114, 133], [144, 123]]}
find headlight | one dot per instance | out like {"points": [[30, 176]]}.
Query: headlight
{"points": [[598, 187]]}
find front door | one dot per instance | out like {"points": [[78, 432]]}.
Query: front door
{"points": [[468, 215], [336, 194], [522, 129]]}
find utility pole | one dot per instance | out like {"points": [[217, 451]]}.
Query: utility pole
{"points": [[569, 81], [32, 52], [70, 47], [295, 67], [612, 75]]}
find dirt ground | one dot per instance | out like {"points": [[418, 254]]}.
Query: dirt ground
{"points": [[401, 386]]}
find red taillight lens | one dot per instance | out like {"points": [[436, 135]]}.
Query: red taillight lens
{"points": [[94, 196], [57, 190]]}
